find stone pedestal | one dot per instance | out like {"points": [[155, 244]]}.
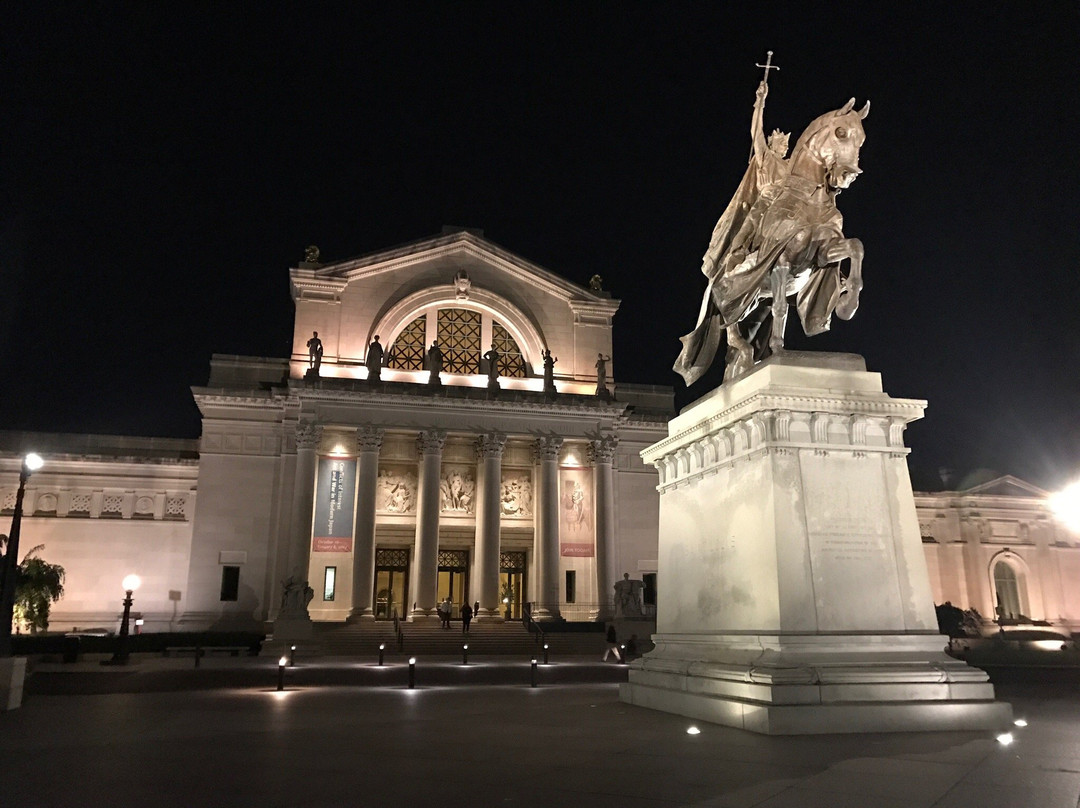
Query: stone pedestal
{"points": [[794, 595], [12, 676]]}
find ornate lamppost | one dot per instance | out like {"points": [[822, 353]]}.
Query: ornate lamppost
{"points": [[31, 463], [120, 656]]}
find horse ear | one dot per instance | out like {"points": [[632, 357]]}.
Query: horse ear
{"points": [[844, 110], [865, 110]]}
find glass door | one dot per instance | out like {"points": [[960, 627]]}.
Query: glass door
{"points": [[391, 583], [453, 581], [511, 584]]}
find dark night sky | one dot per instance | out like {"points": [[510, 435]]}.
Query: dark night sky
{"points": [[162, 165]]}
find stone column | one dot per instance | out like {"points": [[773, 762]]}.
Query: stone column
{"points": [[368, 442], [546, 544], [307, 440], [426, 550], [601, 453], [489, 451]]}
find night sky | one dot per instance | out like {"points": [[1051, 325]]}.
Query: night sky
{"points": [[163, 165]]}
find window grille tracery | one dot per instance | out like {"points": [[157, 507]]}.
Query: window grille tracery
{"points": [[408, 350], [455, 559], [112, 505], [512, 562], [394, 559], [459, 338], [80, 505], [511, 362], [174, 508]]}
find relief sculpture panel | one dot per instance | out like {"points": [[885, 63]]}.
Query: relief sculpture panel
{"points": [[396, 492], [516, 495], [457, 490]]}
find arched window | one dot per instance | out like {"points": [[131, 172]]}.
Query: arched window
{"points": [[464, 335], [407, 352], [511, 362], [1008, 591]]}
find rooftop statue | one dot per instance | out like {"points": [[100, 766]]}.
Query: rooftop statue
{"points": [[780, 236]]}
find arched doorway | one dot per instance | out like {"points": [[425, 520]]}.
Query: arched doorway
{"points": [[1010, 591]]}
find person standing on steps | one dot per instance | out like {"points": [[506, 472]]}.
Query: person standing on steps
{"points": [[466, 617], [612, 645]]}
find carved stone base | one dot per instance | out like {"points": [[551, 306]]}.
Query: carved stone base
{"points": [[797, 598], [814, 684], [290, 628], [12, 676]]}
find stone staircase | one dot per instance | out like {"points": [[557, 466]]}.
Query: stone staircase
{"points": [[427, 637]]}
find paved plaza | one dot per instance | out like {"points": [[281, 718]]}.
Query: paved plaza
{"points": [[176, 737]]}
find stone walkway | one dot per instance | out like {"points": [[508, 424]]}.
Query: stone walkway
{"points": [[461, 743]]}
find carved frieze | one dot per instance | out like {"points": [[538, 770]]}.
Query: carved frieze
{"points": [[396, 490], [516, 495], [457, 490]]}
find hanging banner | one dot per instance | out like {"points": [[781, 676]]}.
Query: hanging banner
{"points": [[577, 525], [334, 495]]}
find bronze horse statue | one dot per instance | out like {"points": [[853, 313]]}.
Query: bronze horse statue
{"points": [[777, 241]]}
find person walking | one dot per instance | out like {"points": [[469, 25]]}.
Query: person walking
{"points": [[612, 645], [466, 617]]}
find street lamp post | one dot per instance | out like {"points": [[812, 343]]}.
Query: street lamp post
{"points": [[130, 584], [31, 463]]}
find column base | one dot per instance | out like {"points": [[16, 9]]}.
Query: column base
{"points": [[488, 614], [423, 614], [542, 614], [815, 684], [361, 614]]}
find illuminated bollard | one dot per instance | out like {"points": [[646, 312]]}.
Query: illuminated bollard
{"points": [[281, 673], [412, 672], [622, 654], [382, 650], [545, 653], [292, 655], [534, 671], [465, 654]]}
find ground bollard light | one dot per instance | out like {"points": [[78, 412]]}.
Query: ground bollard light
{"points": [[382, 650], [412, 672], [281, 673], [533, 672], [545, 653], [292, 655], [622, 655], [465, 654]]}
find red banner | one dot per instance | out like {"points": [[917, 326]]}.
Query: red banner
{"points": [[326, 544]]}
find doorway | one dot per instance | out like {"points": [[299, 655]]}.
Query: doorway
{"points": [[391, 583], [512, 584], [453, 578]]}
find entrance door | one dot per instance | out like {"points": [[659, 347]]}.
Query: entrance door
{"points": [[512, 583], [391, 583], [454, 578]]}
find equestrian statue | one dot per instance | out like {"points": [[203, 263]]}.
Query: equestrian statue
{"points": [[780, 237]]}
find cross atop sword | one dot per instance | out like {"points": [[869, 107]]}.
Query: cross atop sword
{"points": [[768, 66]]}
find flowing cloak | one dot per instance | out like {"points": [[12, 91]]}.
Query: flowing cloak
{"points": [[742, 252]]}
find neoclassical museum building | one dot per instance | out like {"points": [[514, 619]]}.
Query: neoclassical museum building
{"points": [[502, 468]]}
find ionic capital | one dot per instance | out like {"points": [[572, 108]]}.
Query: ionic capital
{"points": [[547, 448], [430, 441], [490, 445], [369, 439], [308, 436], [602, 450]]}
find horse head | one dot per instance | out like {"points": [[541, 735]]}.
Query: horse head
{"points": [[833, 141]]}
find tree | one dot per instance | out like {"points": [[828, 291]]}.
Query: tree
{"points": [[38, 585]]}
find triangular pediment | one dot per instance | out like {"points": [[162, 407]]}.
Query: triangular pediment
{"points": [[460, 248], [1006, 486]]}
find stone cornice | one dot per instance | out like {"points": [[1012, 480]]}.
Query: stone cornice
{"points": [[446, 245], [880, 405], [308, 284]]}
